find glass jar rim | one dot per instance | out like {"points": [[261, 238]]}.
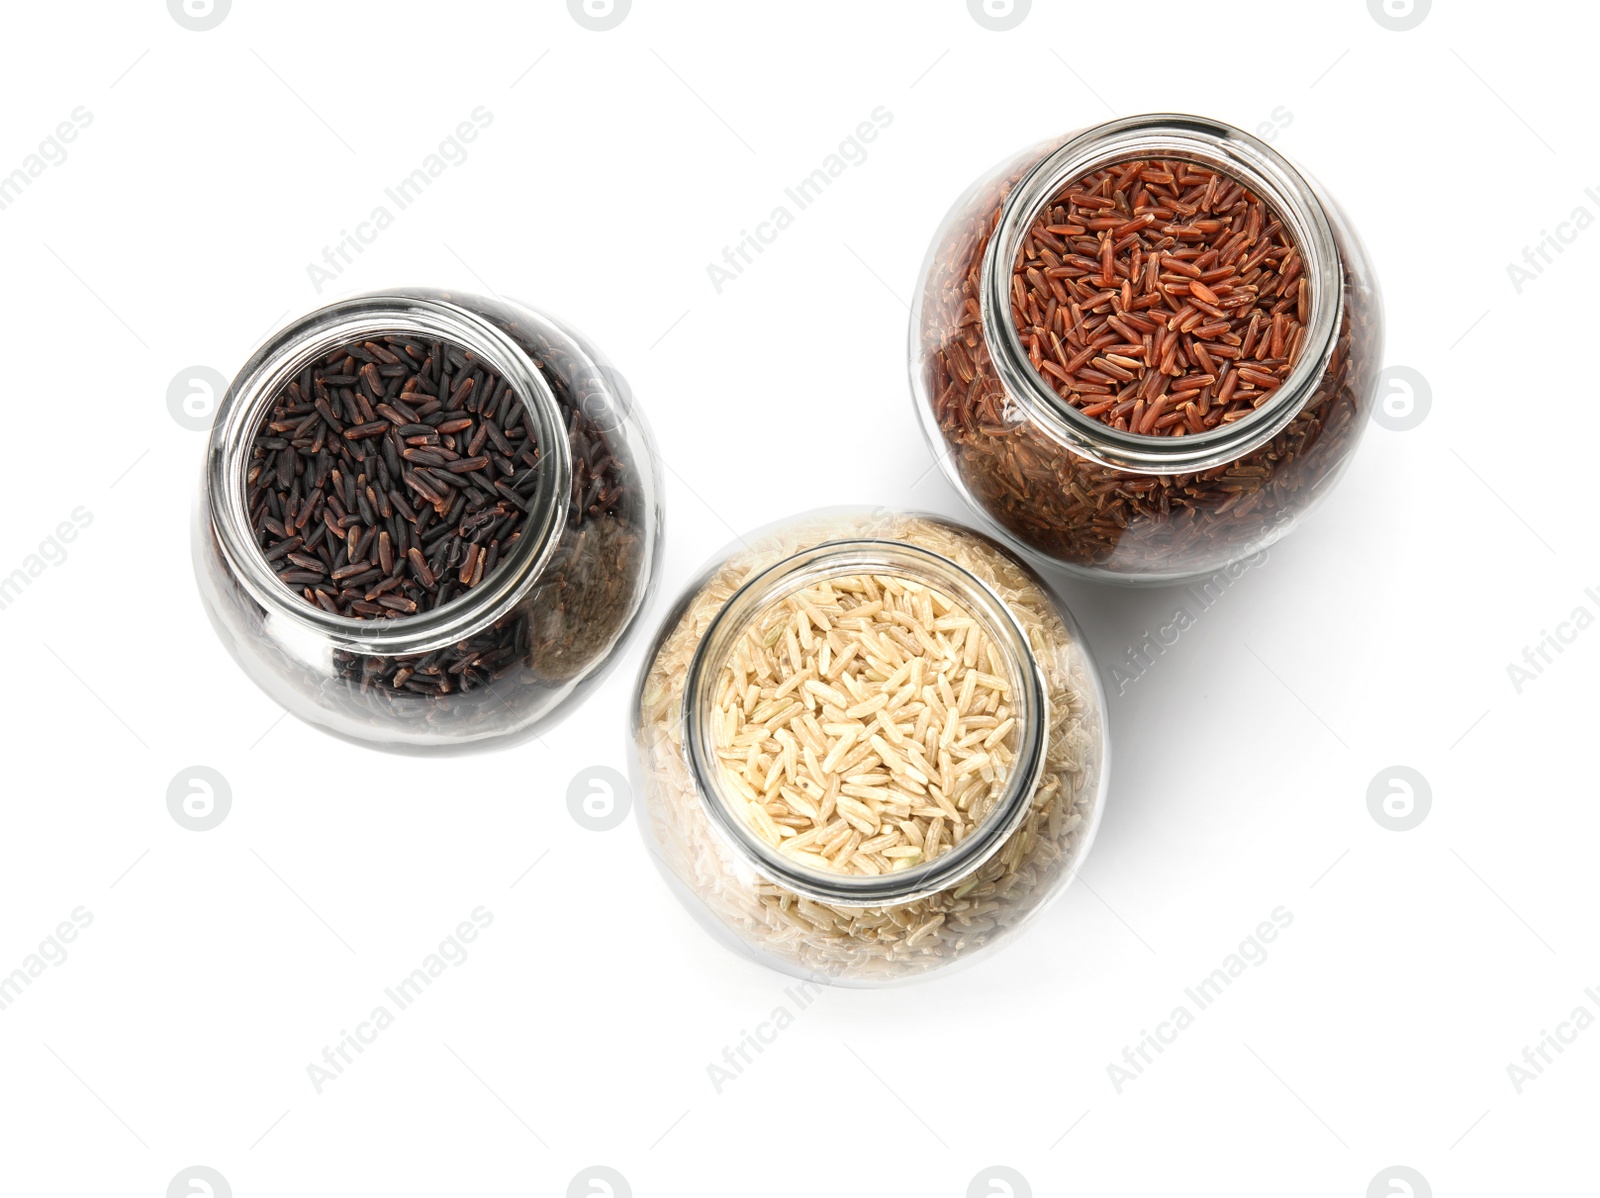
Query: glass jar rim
{"points": [[1222, 147], [833, 559], [297, 345]]}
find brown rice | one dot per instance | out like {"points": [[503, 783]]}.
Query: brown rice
{"points": [[865, 725], [880, 943]]}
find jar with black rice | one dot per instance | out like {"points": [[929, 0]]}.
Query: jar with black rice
{"points": [[1145, 350], [427, 520], [868, 745]]}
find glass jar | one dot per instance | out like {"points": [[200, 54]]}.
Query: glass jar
{"points": [[1110, 503], [497, 656], [973, 862]]}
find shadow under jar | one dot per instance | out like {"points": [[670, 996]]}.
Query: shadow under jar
{"points": [[868, 745], [427, 519], [1079, 370]]}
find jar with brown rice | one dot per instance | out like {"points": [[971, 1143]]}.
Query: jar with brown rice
{"points": [[868, 745], [1145, 350]]}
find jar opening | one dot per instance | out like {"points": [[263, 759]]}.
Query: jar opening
{"points": [[860, 569], [308, 341], [1235, 155]]}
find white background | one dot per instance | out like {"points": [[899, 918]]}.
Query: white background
{"points": [[177, 233]]}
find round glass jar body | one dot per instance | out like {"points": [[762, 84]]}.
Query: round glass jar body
{"points": [[501, 658], [732, 866], [1100, 501]]}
